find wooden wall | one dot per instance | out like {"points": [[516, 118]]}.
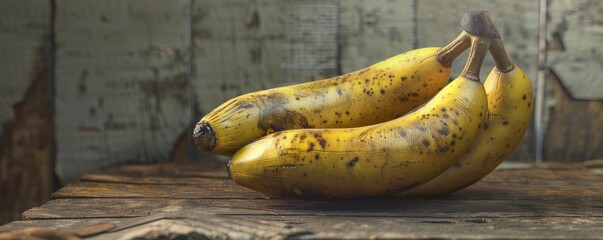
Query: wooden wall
{"points": [[88, 83], [26, 131], [122, 81]]}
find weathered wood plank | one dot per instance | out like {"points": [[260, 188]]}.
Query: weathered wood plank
{"points": [[161, 173], [356, 227], [57, 223], [441, 228], [122, 82], [575, 34], [518, 29], [372, 31], [243, 46], [560, 200], [26, 127], [574, 131], [155, 226], [383, 207], [210, 188]]}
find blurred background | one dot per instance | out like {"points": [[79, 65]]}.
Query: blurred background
{"points": [[86, 83]]}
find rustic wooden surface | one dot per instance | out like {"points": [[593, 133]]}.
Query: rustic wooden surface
{"points": [[26, 120], [556, 201]]}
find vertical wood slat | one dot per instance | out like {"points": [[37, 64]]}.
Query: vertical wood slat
{"points": [[574, 130], [26, 129], [372, 31], [24, 34], [122, 78]]}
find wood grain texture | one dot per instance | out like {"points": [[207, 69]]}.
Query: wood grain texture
{"points": [[556, 201], [160, 173], [351, 227], [574, 130], [122, 89], [26, 127], [244, 46], [441, 228], [210, 189], [399, 208], [574, 35]]}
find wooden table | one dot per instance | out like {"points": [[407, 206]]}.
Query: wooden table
{"points": [[198, 200]]}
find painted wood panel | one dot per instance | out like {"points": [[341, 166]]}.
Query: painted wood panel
{"points": [[24, 35], [575, 37], [26, 178], [372, 31], [122, 82]]}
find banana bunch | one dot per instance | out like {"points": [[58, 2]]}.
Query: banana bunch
{"points": [[381, 92], [510, 107], [394, 128]]}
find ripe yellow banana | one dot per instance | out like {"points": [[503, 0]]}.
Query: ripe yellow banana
{"points": [[374, 160], [375, 94], [510, 106]]}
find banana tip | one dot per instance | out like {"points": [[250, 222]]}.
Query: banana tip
{"points": [[204, 136]]}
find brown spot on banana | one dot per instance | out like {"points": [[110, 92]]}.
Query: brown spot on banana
{"points": [[352, 162], [279, 119], [311, 148], [444, 131]]}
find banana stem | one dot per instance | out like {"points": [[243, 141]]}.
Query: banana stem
{"points": [[479, 24], [448, 53], [477, 53], [501, 59]]}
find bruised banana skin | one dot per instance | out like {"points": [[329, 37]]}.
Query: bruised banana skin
{"points": [[509, 112], [375, 94], [374, 160]]}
